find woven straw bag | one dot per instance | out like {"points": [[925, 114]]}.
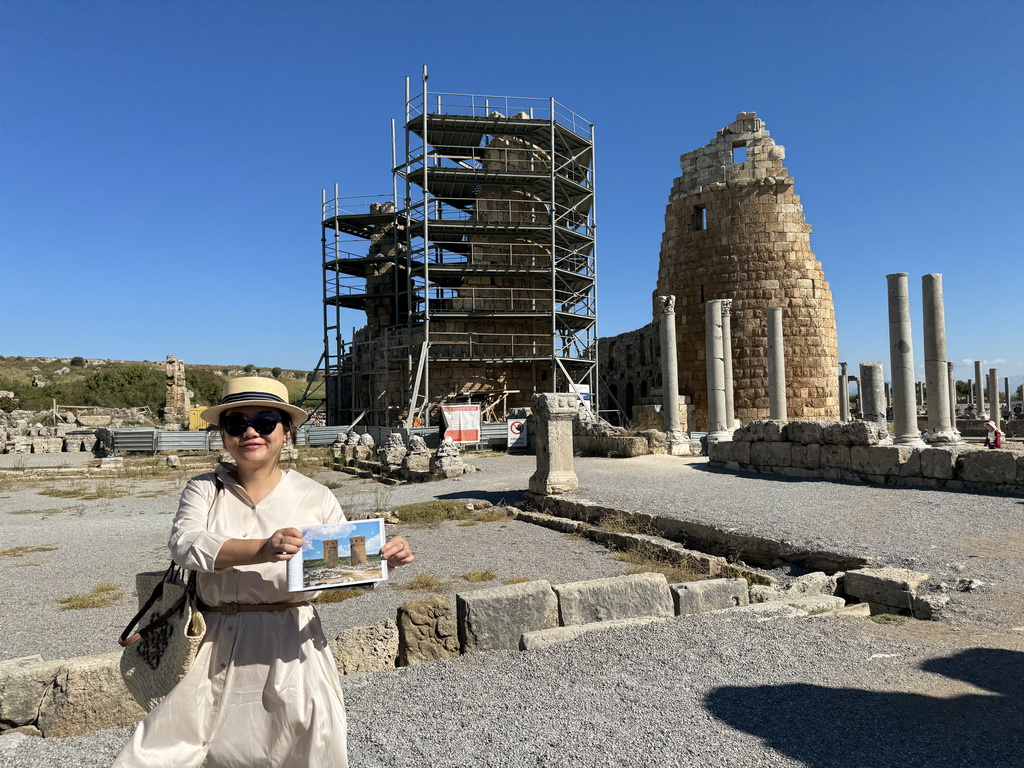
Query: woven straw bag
{"points": [[159, 655]]}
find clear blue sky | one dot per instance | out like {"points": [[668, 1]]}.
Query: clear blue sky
{"points": [[162, 162]]}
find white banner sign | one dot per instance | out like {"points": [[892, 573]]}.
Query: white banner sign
{"points": [[462, 423]]}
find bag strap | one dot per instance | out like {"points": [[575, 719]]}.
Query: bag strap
{"points": [[170, 574]]}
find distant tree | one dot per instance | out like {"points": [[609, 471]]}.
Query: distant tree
{"points": [[249, 368], [78, 362], [275, 372]]}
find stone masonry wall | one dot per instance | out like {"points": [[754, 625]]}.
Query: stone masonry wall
{"points": [[736, 230], [857, 452]]}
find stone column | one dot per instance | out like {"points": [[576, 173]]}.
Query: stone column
{"points": [[936, 372], [1006, 395], [670, 377], [555, 473], [730, 403], [844, 393], [901, 351], [951, 372], [776, 366], [872, 392], [970, 392], [979, 392], [919, 386], [717, 428], [888, 397], [993, 395]]}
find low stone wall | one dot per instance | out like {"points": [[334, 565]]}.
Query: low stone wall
{"points": [[858, 452], [646, 443]]}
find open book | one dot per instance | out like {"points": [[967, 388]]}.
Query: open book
{"points": [[335, 555]]}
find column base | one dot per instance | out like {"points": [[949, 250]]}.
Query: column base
{"points": [[720, 436], [554, 483], [914, 441], [944, 438]]}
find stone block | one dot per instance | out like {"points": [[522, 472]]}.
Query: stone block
{"points": [[112, 462], [814, 603], [545, 638], [929, 606], [1020, 470], [371, 648], [47, 444], [24, 685], [884, 460], [988, 466], [773, 454], [426, 631], [817, 583], [939, 463], [853, 433], [812, 456], [709, 595], [88, 695], [496, 618], [805, 432], [618, 597], [835, 456], [894, 587], [728, 450]]}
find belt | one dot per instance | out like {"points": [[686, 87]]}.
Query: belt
{"points": [[230, 608]]}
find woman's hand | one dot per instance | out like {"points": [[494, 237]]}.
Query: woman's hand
{"points": [[281, 545], [396, 551]]}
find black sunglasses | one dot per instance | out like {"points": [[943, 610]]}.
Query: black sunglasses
{"points": [[235, 424]]}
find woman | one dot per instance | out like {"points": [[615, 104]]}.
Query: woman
{"points": [[994, 436], [264, 689]]}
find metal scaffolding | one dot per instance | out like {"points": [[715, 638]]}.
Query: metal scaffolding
{"points": [[479, 284]]}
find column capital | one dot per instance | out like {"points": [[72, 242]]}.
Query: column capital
{"points": [[668, 303], [555, 405], [726, 307]]}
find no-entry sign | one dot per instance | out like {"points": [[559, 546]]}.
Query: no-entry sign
{"points": [[517, 433]]}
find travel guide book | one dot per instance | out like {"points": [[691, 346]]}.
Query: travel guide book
{"points": [[345, 554]]}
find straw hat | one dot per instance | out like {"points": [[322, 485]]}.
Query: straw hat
{"points": [[991, 424], [255, 390]]}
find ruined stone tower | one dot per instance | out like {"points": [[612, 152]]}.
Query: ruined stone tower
{"points": [[734, 229]]}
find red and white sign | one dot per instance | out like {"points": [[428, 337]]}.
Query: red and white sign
{"points": [[517, 433], [462, 423]]}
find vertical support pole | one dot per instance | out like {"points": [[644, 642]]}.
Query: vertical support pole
{"points": [[776, 366], [979, 392], [936, 371], [901, 351], [951, 373], [669, 365], [730, 403], [994, 413], [1006, 396], [844, 392], [717, 428]]}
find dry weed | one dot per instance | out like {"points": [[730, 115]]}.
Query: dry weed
{"points": [[19, 551], [478, 575], [100, 596], [649, 561], [340, 595]]}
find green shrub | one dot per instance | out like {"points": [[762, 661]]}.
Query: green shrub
{"points": [[78, 362], [249, 368], [206, 385], [275, 372]]}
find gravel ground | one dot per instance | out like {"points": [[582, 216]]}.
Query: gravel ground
{"points": [[698, 691]]}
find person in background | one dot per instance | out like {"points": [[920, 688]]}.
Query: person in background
{"points": [[264, 688], [994, 437]]}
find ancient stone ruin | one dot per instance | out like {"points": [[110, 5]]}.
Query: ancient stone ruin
{"points": [[735, 231]]}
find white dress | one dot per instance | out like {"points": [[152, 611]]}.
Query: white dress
{"points": [[264, 690]]}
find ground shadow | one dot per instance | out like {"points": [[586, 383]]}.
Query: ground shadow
{"points": [[850, 728]]}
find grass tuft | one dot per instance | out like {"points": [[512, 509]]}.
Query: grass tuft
{"points": [[646, 561], [340, 595], [425, 582], [518, 580], [478, 575], [19, 551], [432, 512], [620, 522], [100, 596], [492, 515]]}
